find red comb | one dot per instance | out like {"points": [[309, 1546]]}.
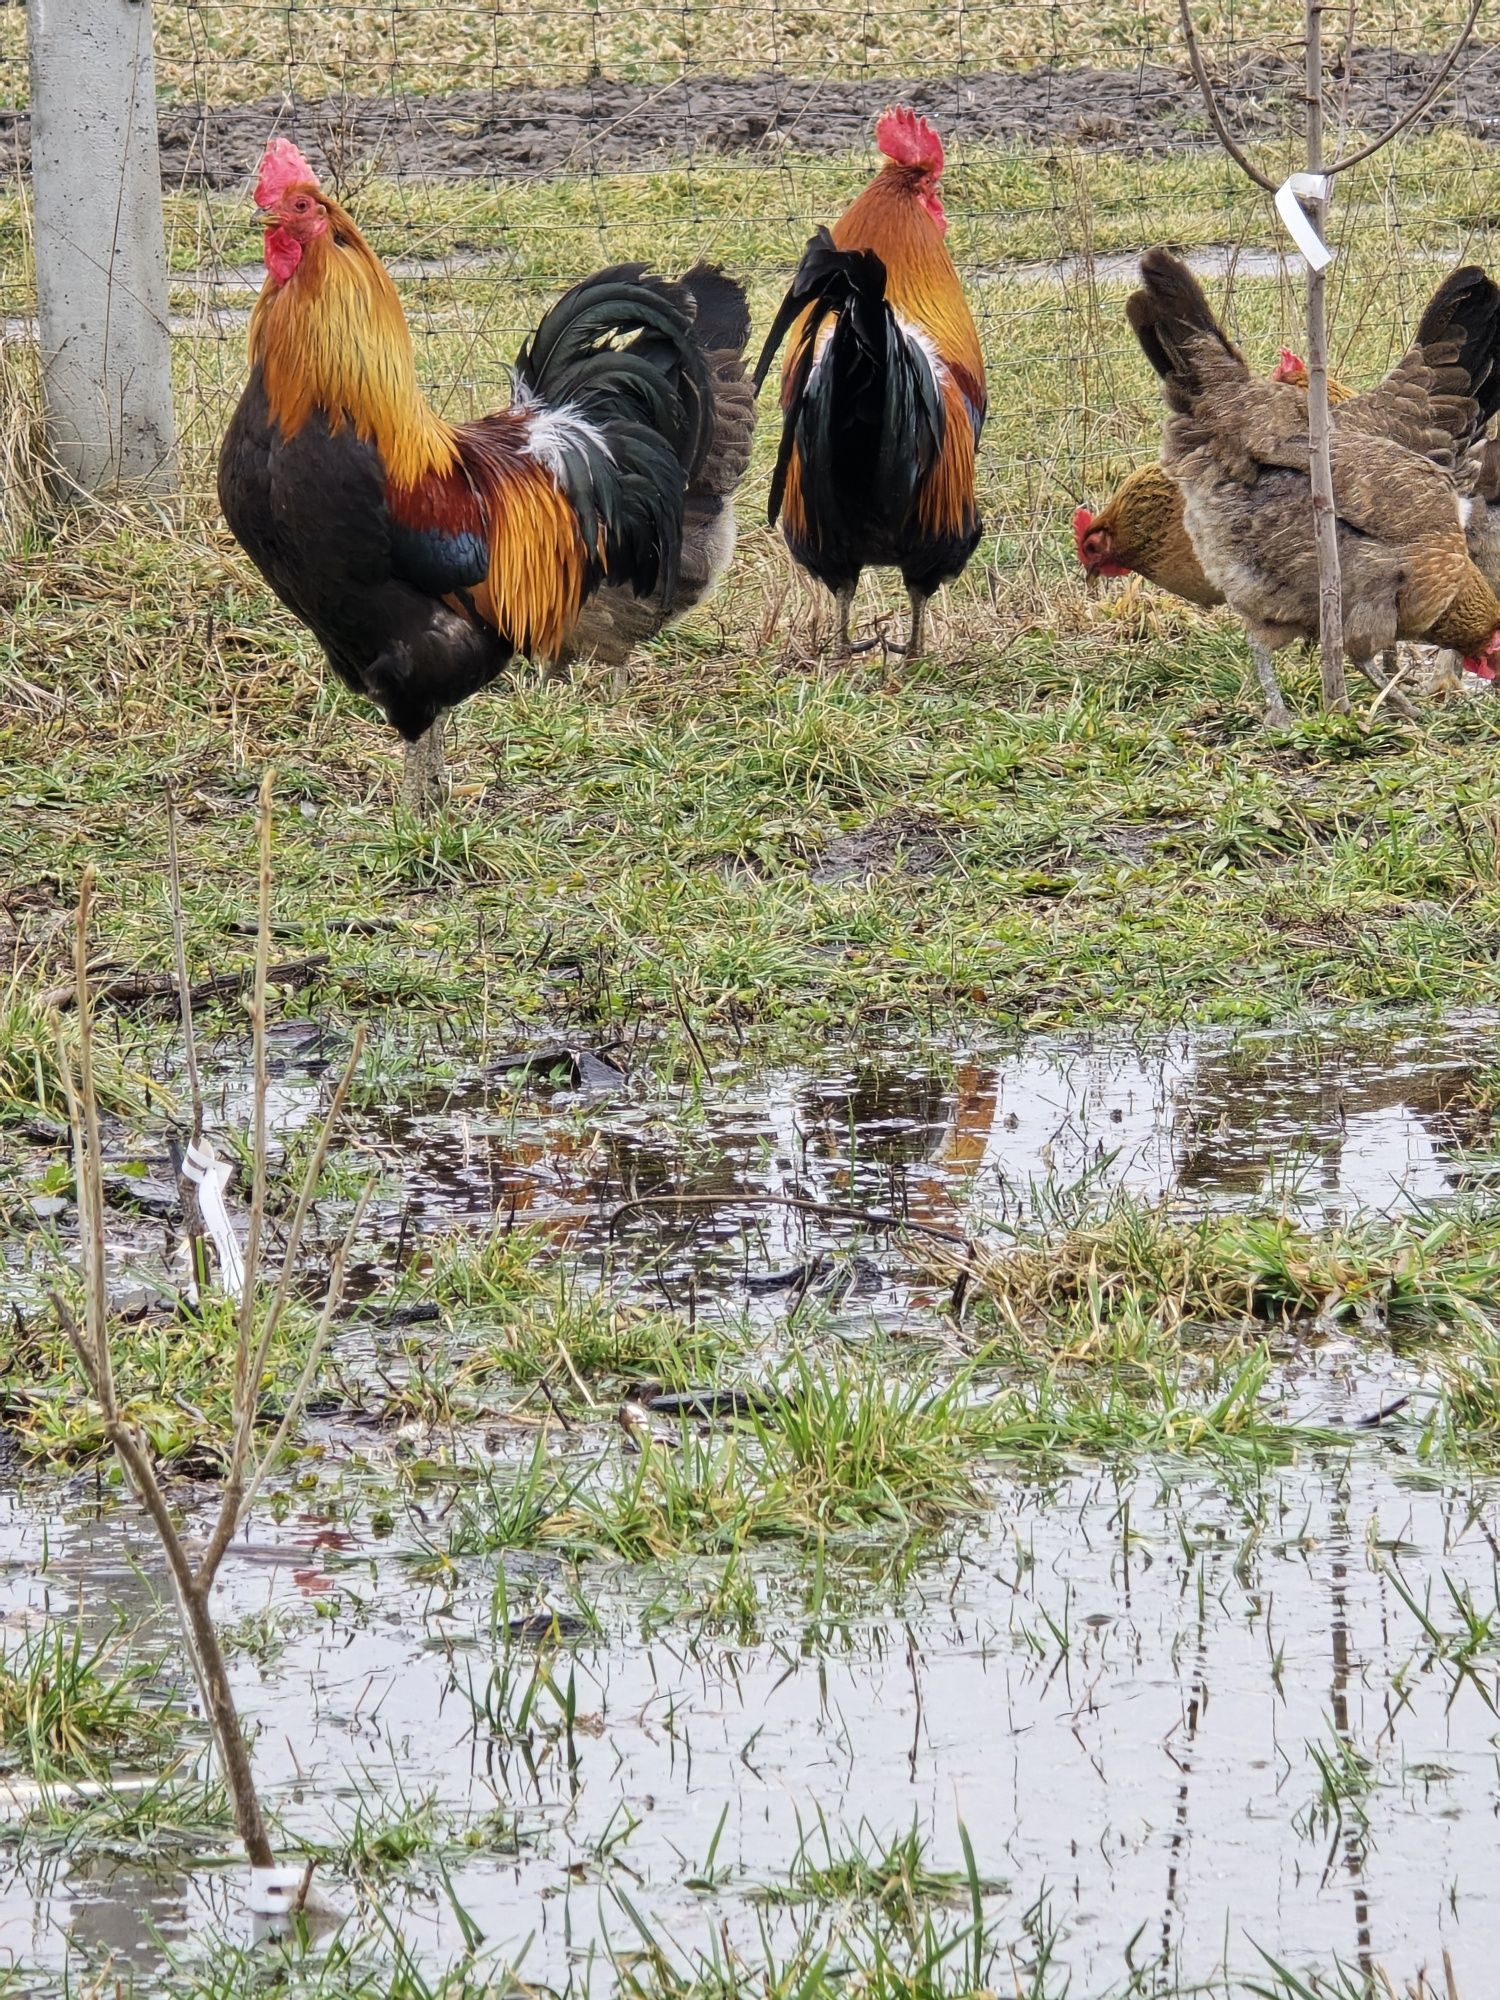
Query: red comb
{"points": [[908, 139], [1083, 520], [281, 167], [1289, 368]]}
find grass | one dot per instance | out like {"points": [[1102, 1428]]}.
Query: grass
{"points": [[1109, 835], [1068, 819], [1138, 1270], [227, 50], [70, 1707]]}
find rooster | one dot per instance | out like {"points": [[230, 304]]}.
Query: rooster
{"points": [[1238, 450], [882, 390], [425, 555]]}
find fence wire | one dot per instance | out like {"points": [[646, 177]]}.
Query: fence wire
{"points": [[495, 153]]}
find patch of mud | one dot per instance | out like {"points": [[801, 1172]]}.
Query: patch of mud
{"points": [[900, 843], [597, 124]]}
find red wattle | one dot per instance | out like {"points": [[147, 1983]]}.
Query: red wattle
{"points": [[283, 253]]}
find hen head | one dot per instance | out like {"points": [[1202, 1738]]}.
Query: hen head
{"points": [[1096, 547], [1290, 368], [1483, 663], [287, 190], [909, 142]]}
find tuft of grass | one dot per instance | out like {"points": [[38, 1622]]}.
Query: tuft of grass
{"points": [[525, 1312], [69, 1708], [1108, 1283]]}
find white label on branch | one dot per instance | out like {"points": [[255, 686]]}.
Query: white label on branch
{"points": [[210, 1176], [1294, 190]]}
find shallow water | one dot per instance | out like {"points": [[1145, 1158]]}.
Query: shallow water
{"points": [[1113, 1680]]}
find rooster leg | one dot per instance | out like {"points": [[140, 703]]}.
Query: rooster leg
{"points": [[1277, 712], [843, 599], [918, 623], [1376, 674], [422, 775]]}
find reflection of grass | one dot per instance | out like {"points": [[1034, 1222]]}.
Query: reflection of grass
{"points": [[893, 1873]]}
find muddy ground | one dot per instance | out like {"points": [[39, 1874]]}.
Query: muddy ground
{"points": [[1148, 108]]}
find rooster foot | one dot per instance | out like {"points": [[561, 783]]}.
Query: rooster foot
{"points": [[423, 777]]}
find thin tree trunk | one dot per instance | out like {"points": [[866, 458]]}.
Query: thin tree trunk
{"points": [[1325, 521]]}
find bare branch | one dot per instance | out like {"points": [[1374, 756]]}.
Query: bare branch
{"points": [[1216, 117], [253, 1359], [331, 1302], [78, 1343], [258, 1034], [179, 952], [83, 1111], [1424, 103]]}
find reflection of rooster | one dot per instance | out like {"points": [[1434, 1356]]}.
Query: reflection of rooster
{"points": [[882, 391], [424, 555]]}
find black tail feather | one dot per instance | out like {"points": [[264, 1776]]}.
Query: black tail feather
{"points": [[1465, 309]]}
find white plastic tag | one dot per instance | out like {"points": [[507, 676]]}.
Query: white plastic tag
{"points": [[1294, 190], [274, 1890], [211, 1176]]}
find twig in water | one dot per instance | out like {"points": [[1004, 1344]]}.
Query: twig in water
{"points": [[800, 1204]]}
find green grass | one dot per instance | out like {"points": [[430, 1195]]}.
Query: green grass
{"points": [[74, 1708], [1110, 834]]}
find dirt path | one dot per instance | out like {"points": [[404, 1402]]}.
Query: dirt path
{"points": [[602, 125]]}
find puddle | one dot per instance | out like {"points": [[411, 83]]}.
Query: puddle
{"points": [[1117, 1682], [1327, 1122], [1116, 1687]]}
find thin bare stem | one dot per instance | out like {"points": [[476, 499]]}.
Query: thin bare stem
{"points": [[331, 1302], [251, 1361], [179, 952], [260, 1086], [192, 1586], [1319, 432], [1424, 103], [79, 1344], [86, 1149], [1216, 117]]}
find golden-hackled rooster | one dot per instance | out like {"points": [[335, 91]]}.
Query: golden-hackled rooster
{"points": [[425, 555], [882, 390]]}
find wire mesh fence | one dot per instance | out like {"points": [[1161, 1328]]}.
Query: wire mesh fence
{"points": [[495, 153]]}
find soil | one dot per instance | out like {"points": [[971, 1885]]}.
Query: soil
{"points": [[576, 128]]}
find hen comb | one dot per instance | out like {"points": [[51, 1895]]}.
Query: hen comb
{"points": [[1290, 367], [281, 167], [907, 138], [1083, 520]]}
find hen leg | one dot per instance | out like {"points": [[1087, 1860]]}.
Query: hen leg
{"points": [[1377, 675], [423, 779], [1277, 712]]}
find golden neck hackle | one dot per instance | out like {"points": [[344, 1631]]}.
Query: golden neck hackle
{"points": [[334, 338], [921, 282]]}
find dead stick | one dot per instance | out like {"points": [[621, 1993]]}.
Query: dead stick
{"points": [[833, 1210]]}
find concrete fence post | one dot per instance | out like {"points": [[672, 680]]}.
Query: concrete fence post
{"points": [[101, 266]]}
